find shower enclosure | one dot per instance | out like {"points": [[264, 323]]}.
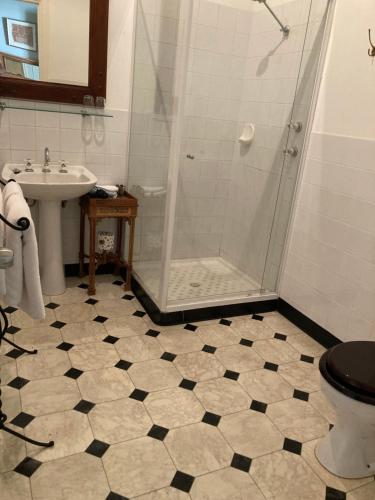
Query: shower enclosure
{"points": [[215, 202]]}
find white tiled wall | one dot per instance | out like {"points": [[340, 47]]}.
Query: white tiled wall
{"points": [[330, 268], [274, 77], [330, 264], [98, 143]]}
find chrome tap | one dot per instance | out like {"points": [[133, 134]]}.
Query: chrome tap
{"points": [[46, 161]]}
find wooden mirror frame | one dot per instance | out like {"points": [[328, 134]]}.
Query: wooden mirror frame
{"points": [[73, 94]]}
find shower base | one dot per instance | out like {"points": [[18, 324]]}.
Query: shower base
{"points": [[195, 282]]}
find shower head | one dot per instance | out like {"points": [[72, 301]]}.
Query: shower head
{"points": [[284, 29]]}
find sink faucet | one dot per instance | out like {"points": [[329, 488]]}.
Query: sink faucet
{"points": [[46, 161]]}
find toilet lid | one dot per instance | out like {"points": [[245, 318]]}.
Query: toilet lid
{"points": [[353, 364]]}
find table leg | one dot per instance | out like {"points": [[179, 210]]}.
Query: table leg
{"points": [[131, 221], [92, 267], [82, 244], [118, 246]]}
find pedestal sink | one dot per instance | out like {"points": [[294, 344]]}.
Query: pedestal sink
{"points": [[51, 189]]}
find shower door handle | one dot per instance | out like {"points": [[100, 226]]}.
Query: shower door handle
{"points": [[291, 151]]}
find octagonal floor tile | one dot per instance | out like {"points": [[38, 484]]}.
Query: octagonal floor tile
{"points": [[251, 433], [198, 448], [138, 466]]}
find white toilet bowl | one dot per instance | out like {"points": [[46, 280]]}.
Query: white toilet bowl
{"points": [[349, 448]]}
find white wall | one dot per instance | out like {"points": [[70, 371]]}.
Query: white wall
{"points": [[98, 143], [347, 101], [63, 41], [329, 272]]}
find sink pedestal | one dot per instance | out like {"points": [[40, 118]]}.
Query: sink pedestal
{"points": [[50, 248]]}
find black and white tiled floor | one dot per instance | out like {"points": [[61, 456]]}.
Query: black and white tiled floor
{"points": [[220, 410]]}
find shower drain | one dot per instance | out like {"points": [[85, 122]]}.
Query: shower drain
{"points": [[195, 285]]}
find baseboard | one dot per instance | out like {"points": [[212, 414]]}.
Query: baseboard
{"points": [[202, 314], [72, 270], [315, 331]]}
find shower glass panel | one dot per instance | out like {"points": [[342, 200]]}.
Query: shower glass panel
{"points": [[214, 211]]}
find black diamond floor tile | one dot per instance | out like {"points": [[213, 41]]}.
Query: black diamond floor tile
{"points": [[13, 329], [22, 420], [110, 339], [28, 466], [246, 342], [117, 282], [158, 432], [128, 297], [123, 365], [58, 324], [271, 366], [139, 314], [187, 384], [241, 462], [91, 302], [14, 353], [303, 396], [211, 419], [292, 446], [209, 348], [100, 319], [73, 373], [84, 406], [307, 359], [10, 309], [225, 322], [115, 496], [168, 356], [333, 494], [18, 382], [139, 395], [65, 346], [258, 406], [190, 327], [152, 333], [182, 481], [280, 336], [258, 317], [84, 286], [52, 305], [231, 374], [97, 448]]}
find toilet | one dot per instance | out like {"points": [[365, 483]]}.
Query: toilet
{"points": [[348, 381]]}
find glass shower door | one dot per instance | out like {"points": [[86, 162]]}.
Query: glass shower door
{"points": [[240, 70]]}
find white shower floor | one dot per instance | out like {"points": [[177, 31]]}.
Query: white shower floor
{"points": [[196, 278]]}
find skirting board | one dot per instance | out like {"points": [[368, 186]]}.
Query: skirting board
{"points": [[315, 331]]}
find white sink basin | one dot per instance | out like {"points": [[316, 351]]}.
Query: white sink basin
{"points": [[54, 186], [50, 189]]}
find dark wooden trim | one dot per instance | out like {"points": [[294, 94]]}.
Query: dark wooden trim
{"points": [[72, 94], [315, 331]]}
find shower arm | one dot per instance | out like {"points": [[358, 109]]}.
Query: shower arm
{"points": [[285, 29]]}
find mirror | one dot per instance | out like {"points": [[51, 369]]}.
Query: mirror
{"points": [[53, 49]]}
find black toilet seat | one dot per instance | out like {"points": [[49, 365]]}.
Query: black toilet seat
{"points": [[350, 368]]}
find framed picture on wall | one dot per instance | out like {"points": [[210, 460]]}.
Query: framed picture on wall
{"points": [[21, 34]]}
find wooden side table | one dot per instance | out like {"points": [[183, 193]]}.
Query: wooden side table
{"points": [[121, 208]]}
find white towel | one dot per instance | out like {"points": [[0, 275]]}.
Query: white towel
{"points": [[23, 288], [2, 271]]}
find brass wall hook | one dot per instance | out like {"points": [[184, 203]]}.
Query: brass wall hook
{"points": [[371, 51]]}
